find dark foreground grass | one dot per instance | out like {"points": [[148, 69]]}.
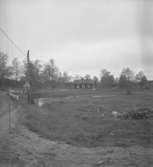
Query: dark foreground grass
{"points": [[87, 121], [8, 155]]}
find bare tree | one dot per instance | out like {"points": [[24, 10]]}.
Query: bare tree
{"points": [[50, 71], [87, 77], [16, 68]]}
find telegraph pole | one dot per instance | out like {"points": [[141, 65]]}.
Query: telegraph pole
{"points": [[28, 58], [29, 78]]}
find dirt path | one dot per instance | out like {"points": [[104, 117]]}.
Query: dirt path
{"points": [[37, 151], [8, 119], [4, 113]]}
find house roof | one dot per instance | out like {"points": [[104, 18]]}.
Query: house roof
{"points": [[85, 81]]}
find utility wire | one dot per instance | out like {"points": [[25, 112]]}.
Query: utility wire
{"points": [[15, 45]]}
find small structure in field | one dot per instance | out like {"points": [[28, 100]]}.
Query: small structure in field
{"points": [[84, 83], [14, 94]]}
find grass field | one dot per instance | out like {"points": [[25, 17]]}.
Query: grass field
{"points": [[84, 118]]}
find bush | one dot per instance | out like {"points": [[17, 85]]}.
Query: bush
{"points": [[142, 113]]}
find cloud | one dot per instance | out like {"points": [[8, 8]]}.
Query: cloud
{"points": [[82, 36], [147, 51], [113, 54], [57, 21]]}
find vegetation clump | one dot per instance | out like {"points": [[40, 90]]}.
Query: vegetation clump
{"points": [[141, 113]]}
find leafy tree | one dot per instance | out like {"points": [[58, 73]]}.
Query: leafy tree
{"points": [[107, 79], [128, 73], [144, 82], [141, 79], [95, 79], [3, 65], [5, 71], [139, 76], [122, 81], [126, 79], [33, 72]]}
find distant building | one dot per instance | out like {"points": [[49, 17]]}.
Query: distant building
{"points": [[83, 84], [150, 83]]}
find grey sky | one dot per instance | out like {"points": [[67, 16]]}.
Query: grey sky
{"points": [[83, 36]]}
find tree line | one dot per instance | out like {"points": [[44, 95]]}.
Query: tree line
{"points": [[40, 74], [49, 75], [126, 80]]}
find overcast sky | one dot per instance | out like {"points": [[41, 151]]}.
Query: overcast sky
{"points": [[82, 36]]}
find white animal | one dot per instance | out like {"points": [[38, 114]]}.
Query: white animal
{"points": [[115, 114]]}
